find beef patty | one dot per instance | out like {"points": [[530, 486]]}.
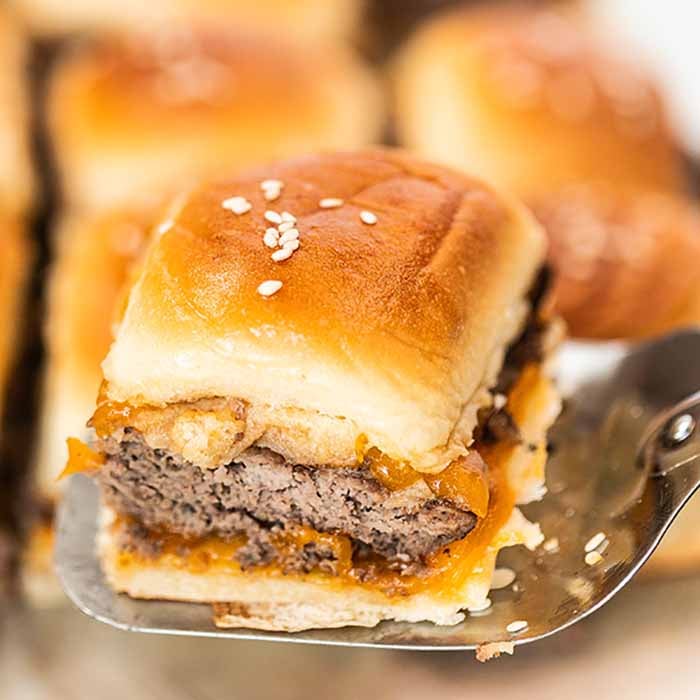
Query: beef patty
{"points": [[259, 493]]}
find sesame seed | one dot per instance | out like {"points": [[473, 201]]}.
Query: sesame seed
{"points": [[516, 626], [273, 217], [480, 607], [269, 287], [551, 545], [502, 578], [285, 226], [282, 254], [271, 238], [271, 189], [292, 245], [595, 541], [331, 203], [286, 216], [290, 235], [499, 401], [238, 205], [368, 218]]}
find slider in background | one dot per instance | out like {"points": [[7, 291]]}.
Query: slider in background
{"points": [[93, 255], [532, 100], [306, 19], [135, 115], [627, 262]]}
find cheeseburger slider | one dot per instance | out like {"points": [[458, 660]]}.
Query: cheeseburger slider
{"points": [[531, 99], [324, 410], [130, 116]]}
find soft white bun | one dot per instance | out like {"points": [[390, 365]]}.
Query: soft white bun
{"points": [[308, 19], [383, 333], [531, 99], [16, 174], [135, 116], [91, 253]]}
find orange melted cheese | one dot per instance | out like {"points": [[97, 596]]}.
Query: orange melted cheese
{"points": [[81, 459], [464, 482]]}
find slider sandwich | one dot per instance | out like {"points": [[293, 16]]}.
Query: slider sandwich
{"points": [[325, 410], [131, 116], [532, 100]]}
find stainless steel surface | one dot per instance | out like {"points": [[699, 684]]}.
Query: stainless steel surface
{"points": [[612, 470]]}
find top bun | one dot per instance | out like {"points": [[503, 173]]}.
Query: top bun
{"points": [[308, 19], [129, 117], [383, 330], [530, 99]]}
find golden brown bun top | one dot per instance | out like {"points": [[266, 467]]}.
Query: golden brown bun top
{"points": [[392, 325], [627, 264], [140, 112], [535, 101]]}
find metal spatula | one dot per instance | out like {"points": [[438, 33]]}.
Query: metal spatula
{"points": [[625, 459]]}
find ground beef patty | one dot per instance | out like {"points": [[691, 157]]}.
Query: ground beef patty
{"points": [[260, 492]]}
